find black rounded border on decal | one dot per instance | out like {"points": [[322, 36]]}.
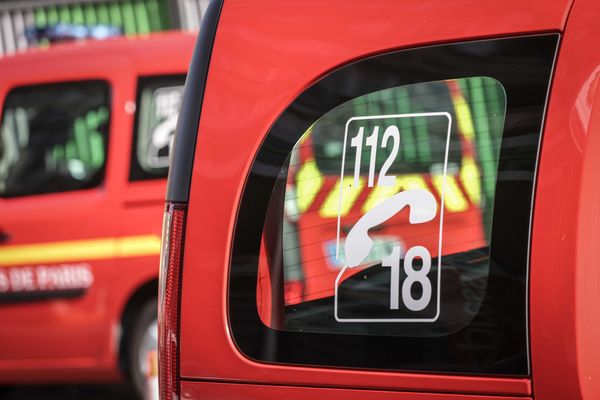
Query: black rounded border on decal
{"points": [[523, 65]]}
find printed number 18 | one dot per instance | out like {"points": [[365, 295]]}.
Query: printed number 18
{"points": [[412, 276], [371, 141]]}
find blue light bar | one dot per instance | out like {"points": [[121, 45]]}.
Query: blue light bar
{"points": [[65, 32]]}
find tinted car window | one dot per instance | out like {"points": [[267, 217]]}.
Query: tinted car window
{"points": [[385, 219], [382, 205], [159, 99], [53, 138]]}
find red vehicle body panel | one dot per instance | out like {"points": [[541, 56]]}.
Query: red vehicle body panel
{"points": [[564, 276], [78, 339], [214, 391], [254, 75]]}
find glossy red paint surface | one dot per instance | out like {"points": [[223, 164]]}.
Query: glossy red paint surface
{"points": [[255, 74], [78, 339], [564, 275]]}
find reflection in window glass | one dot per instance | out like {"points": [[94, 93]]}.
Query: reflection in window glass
{"points": [[159, 101], [384, 213], [53, 138]]}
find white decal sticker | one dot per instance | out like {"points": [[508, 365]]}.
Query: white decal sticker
{"points": [[404, 305], [46, 278], [167, 101]]}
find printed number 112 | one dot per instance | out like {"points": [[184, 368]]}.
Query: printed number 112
{"points": [[371, 141]]}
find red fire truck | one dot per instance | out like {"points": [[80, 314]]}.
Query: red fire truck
{"points": [[85, 135]]}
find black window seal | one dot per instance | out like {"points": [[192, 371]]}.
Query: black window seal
{"points": [[184, 144]]}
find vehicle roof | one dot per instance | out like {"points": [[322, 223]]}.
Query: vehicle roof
{"points": [[138, 46], [144, 54]]}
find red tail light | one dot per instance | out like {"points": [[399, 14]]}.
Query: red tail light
{"points": [[168, 300]]}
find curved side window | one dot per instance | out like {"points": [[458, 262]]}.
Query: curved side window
{"points": [[385, 220]]}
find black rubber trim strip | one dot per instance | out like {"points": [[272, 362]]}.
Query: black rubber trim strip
{"points": [[184, 145], [26, 297]]}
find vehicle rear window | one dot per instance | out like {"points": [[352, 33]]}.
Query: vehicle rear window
{"points": [[53, 138], [385, 219], [159, 100], [378, 225]]}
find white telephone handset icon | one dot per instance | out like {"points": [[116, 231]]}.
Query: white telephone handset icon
{"points": [[422, 208], [358, 244], [413, 286]]}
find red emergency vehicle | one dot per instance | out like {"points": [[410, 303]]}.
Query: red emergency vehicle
{"points": [[385, 200], [85, 134]]}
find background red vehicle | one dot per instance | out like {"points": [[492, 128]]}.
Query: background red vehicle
{"points": [[515, 296], [85, 135]]}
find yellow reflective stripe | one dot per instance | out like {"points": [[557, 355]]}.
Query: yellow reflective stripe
{"points": [[137, 246], [453, 197], [465, 122], [469, 176], [350, 193], [381, 193], [308, 183], [413, 182], [80, 250]]}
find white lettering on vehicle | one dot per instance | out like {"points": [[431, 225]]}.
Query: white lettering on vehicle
{"points": [[42, 278]]}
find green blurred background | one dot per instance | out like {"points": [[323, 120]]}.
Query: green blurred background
{"points": [[132, 16]]}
